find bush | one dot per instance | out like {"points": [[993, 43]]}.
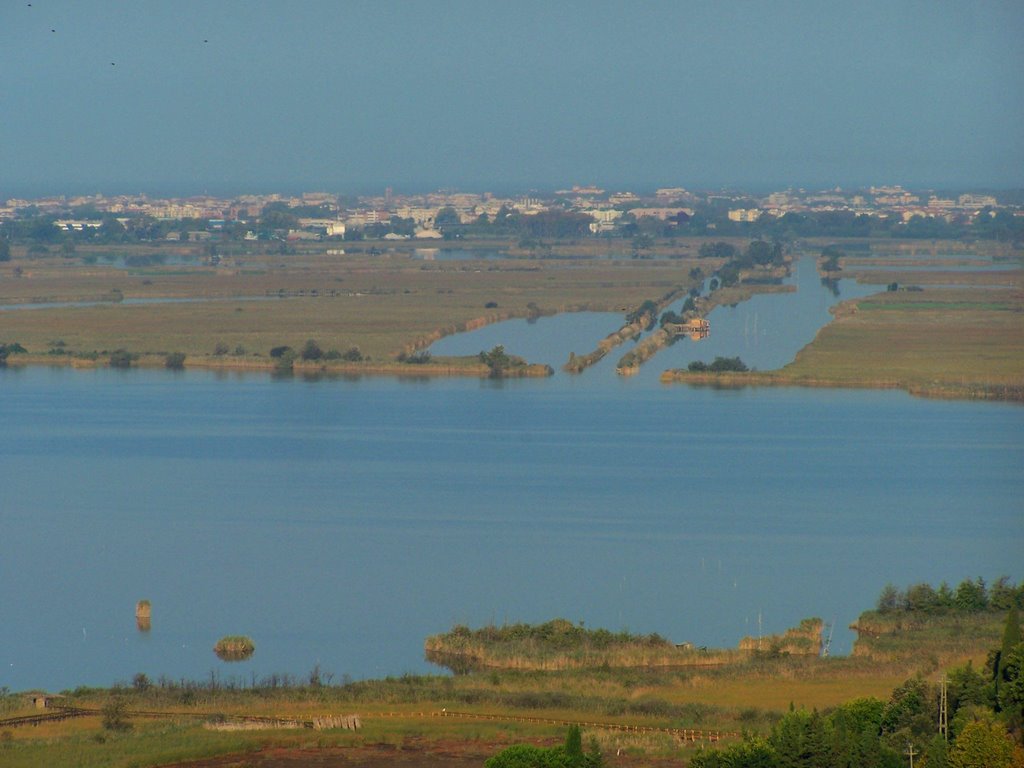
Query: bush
{"points": [[234, 647], [416, 358], [175, 361], [121, 358], [720, 365], [10, 349], [220, 349], [285, 361], [280, 351], [115, 716], [311, 351], [141, 682], [352, 354]]}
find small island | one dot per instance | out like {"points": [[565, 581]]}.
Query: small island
{"points": [[234, 648]]}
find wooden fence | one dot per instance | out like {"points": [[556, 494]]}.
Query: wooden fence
{"points": [[354, 722]]}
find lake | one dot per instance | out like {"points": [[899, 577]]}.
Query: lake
{"points": [[339, 522]]}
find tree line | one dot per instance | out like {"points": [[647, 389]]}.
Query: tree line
{"points": [[985, 712], [968, 597]]}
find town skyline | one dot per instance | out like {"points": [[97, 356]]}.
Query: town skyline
{"points": [[453, 214]]}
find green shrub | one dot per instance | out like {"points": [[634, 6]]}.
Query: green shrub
{"points": [[121, 358], [312, 351], [115, 717]]}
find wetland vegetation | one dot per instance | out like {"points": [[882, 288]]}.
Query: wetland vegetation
{"points": [[761, 704], [376, 311]]}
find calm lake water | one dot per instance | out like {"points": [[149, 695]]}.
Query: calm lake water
{"points": [[339, 522]]}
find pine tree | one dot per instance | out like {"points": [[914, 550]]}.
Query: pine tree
{"points": [[1001, 667]]}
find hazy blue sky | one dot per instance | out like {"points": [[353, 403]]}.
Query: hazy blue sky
{"points": [[354, 96]]}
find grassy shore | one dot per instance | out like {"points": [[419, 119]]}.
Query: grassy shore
{"points": [[941, 342], [384, 304], [432, 713]]}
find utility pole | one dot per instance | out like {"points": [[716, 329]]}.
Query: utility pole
{"points": [[911, 752], [944, 709]]}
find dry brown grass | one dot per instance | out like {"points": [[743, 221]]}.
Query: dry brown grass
{"points": [[935, 337], [384, 304]]}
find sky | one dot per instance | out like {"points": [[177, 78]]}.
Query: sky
{"points": [[188, 97]]}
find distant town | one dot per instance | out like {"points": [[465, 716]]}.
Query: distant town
{"points": [[582, 211]]}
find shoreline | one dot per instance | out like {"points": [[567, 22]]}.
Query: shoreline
{"points": [[1010, 393], [734, 380], [330, 369]]}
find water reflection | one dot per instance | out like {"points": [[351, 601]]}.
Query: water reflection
{"points": [[458, 254], [342, 522]]}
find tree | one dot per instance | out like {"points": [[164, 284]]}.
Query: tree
{"points": [[642, 242], [646, 313], [5, 250], [909, 713], [496, 360], [971, 595], [447, 217], [967, 686], [759, 252], [1011, 692], [890, 601], [285, 361], [985, 745], [1002, 594], [830, 256], [1002, 669], [175, 361], [277, 215], [311, 351], [936, 753], [921, 597], [719, 250], [574, 745], [111, 229]]}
